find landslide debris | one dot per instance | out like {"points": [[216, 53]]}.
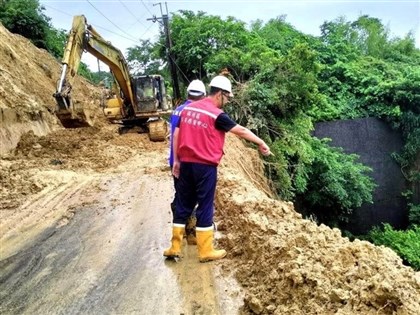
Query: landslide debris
{"points": [[286, 264], [293, 266], [87, 150], [28, 79]]}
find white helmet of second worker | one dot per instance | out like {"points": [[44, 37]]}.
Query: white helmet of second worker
{"points": [[222, 83], [196, 88]]}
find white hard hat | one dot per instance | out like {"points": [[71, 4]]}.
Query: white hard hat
{"points": [[223, 83], [196, 88]]}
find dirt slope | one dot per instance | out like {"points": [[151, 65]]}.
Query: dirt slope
{"points": [[285, 264], [28, 77]]}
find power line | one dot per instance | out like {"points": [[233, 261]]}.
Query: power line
{"points": [[145, 32], [48, 6], [105, 29], [97, 26], [146, 7], [108, 19], [129, 11]]}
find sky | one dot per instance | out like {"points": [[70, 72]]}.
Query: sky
{"points": [[125, 22]]}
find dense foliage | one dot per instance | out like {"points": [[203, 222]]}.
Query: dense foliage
{"points": [[336, 182], [414, 214], [25, 17]]}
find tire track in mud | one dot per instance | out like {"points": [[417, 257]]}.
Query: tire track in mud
{"points": [[108, 257], [52, 206]]}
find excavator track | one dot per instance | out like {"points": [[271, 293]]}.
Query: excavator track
{"points": [[158, 130]]}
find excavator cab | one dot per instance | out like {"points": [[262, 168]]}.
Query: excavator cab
{"points": [[151, 93], [150, 100]]}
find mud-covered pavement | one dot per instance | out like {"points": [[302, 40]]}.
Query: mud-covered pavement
{"points": [[103, 255]]}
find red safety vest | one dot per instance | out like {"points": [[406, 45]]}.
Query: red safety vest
{"points": [[199, 141]]}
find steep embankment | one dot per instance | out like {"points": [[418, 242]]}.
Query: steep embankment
{"points": [[287, 265], [28, 78]]}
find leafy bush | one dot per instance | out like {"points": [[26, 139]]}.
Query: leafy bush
{"points": [[55, 42], [337, 184], [405, 243]]}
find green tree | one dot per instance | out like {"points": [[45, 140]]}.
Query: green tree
{"points": [[25, 17], [403, 50], [337, 42], [372, 36], [337, 184], [144, 58], [280, 35], [55, 42], [197, 38]]}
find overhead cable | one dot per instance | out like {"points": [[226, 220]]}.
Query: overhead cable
{"points": [[109, 20]]}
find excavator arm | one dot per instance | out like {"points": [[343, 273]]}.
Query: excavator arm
{"points": [[84, 37]]}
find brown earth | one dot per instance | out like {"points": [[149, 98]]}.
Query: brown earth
{"points": [[284, 264]]}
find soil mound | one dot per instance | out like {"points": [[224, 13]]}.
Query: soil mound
{"points": [[293, 266]]}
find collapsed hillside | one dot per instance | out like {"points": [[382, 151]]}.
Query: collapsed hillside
{"points": [[28, 77], [286, 264]]}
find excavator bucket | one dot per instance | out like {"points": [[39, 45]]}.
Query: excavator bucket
{"points": [[72, 120], [70, 115]]}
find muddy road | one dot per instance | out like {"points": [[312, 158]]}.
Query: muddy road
{"points": [[104, 254]]}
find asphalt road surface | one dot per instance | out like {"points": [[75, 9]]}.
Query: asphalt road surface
{"points": [[104, 256]]}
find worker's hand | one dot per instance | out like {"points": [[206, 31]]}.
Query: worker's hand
{"points": [[264, 149], [175, 169]]}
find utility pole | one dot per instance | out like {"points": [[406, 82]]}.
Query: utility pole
{"points": [[164, 21]]}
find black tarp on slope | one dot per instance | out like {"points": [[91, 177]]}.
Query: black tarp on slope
{"points": [[374, 141]]}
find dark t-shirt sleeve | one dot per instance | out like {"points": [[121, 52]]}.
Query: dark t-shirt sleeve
{"points": [[224, 122]]}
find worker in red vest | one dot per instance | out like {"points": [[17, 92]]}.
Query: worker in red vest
{"points": [[198, 148], [196, 91]]}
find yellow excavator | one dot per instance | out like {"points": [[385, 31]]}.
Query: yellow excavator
{"points": [[137, 101]]}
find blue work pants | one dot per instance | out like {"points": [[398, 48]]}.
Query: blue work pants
{"points": [[196, 185]]}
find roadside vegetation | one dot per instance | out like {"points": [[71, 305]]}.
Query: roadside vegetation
{"points": [[285, 82]]}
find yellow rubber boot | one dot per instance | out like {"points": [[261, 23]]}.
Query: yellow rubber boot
{"points": [[175, 249], [206, 252]]}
